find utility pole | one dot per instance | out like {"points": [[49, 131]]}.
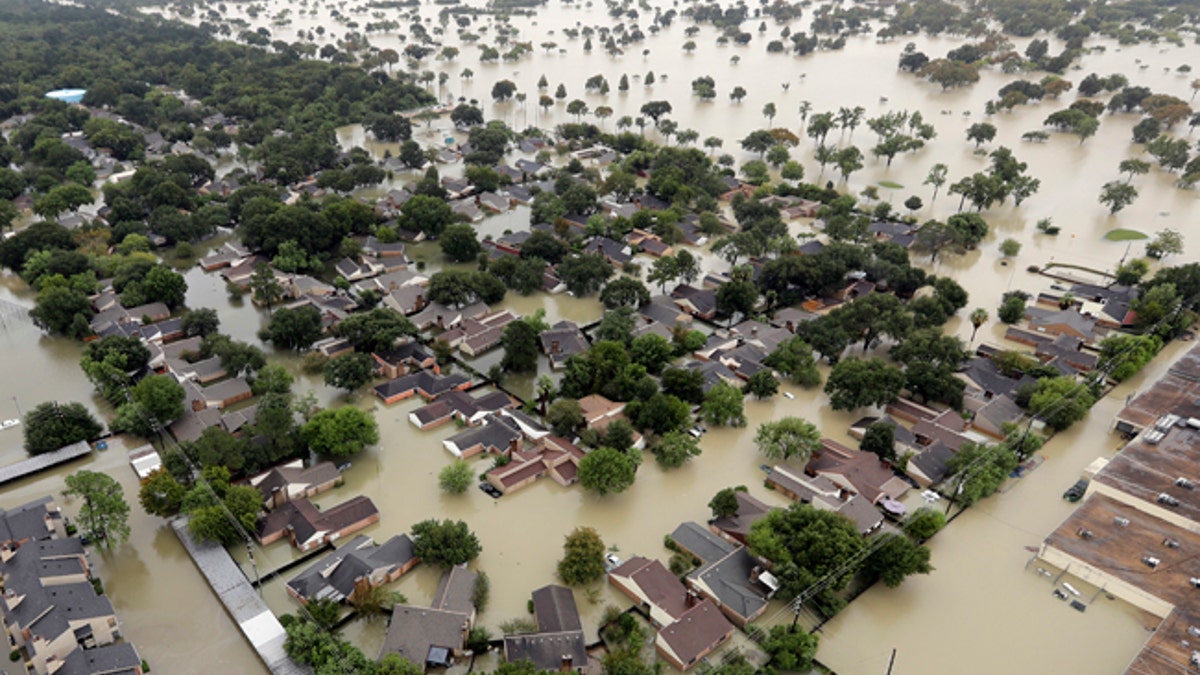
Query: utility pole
{"points": [[892, 661], [18, 404]]}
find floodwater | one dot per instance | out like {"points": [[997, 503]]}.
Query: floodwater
{"points": [[981, 611]]}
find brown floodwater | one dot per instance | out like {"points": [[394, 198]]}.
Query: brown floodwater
{"points": [[981, 611]]}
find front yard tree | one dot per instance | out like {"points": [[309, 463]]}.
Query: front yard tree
{"points": [[456, 477], [1060, 401], [161, 495], [104, 516], [264, 287], [675, 448], [795, 359], [880, 439], [294, 329], [896, 558], [202, 322], [348, 371], [761, 385], [787, 438], [807, 544], [459, 243], [564, 416], [790, 649], [724, 504], [854, 383], [1164, 243], [583, 557], [340, 432], [624, 292], [520, 342], [606, 471], [376, 330], [445, 544], [50, 426]]}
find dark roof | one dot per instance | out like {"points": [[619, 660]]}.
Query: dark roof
{"points": [[657, 583], [703, 299], [750, 510], [554, 607], [29, 520], [115, 659], [334, 575], [932, 461], [729, 579], [696, 631], [414, 631], [456, 590], [984, 373], [424, 380], [701, 542], [547, 651], [408, 352]]}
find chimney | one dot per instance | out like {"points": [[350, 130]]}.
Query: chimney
{"points": [[554, 346], [754, 331], [567, 661]]}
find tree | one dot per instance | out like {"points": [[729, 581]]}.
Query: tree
{"points": [[426, 214], [295, 329], [724, 504], [675, 448], [606, 471], [1164, 243], [456, 477], [1122, 356], [349, 371], [445, 544], [1012, 308], [762, 385], [1116, 195], [787, 438], [936, 178], [880, 439], [795, 359], [737, 297], [895, 558], [1060, 401], [340, 432], [564, 416], [848, 160], [459, 243], [161, 495], [807, 544], [624, 292], [389, 127], [104, 516], [979, 316], [376, 330], [653, 352], [660, 413], [63, 309], [583, 557], [520, 342], [854, 383], [265, 288], [791, 649], [948, 73], [200, 322], [1131, 272], [50, 426], [723, 406], [111, 362], [160, 398], [1133, 167], [1009, 248], [585, 273], [924, 523], [981, 132], [980, 471], [656, 110], [503, 90]]}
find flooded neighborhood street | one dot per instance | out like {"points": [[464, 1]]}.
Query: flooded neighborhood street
{"points": [[984, 610]]}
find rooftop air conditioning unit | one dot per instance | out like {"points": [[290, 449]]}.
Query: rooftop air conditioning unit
{"points": [[1151, 562]]}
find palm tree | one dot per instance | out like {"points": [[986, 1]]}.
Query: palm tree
{"points": [[978, 317], [805, 108]]}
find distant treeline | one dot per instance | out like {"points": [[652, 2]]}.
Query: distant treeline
{"points": [[119, 59]]}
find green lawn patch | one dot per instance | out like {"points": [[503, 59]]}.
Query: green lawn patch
{"points": [[890, 185], [1122, 234]]}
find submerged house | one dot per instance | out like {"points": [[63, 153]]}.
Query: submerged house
{"points": [[358, 565]]}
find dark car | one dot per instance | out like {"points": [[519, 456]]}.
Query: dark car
{"points": [[491, 490], [1076, 491]]}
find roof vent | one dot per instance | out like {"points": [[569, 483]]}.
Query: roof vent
{"points": [[1084, 533], [1170, 543], [1151, 562], [1192, 630], [1184, 483], [1123, 522]]}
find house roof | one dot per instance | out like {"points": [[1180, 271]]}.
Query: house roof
{"points": [[547, 651], [496, 433], [563, 340], [750, 510], [455, 591], [703, 300], [656, 583], [696, 631], [932, 461], [992, 416], [1048, 319], [413, 631], [294, 475], [429, 382], [862, 470], [119, 658], [29, 520], [807, 488], [554, 607], [728, 578], [701, 542], [864, 514], [307, 522], [595, 407], [334, 575]]}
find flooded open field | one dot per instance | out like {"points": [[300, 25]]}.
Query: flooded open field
{"points": [[982, 611]]}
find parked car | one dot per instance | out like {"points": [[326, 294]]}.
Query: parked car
{"points": [[490, 490], [1076, 491]]}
